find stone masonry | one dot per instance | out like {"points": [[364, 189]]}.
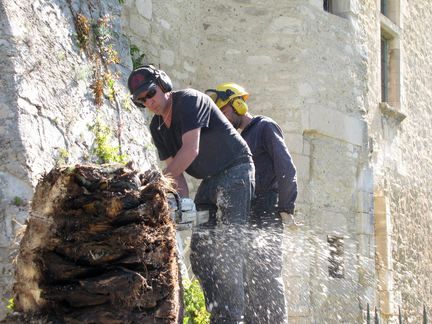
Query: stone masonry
{"points": [[363, 162], [47, 105]]}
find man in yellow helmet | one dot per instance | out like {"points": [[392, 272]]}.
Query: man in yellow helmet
{"points": [[276, 192]]}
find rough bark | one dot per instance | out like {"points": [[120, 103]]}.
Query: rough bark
{"points": [[99, 247]]}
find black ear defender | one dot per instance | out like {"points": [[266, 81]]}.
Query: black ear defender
{"points": [[162, 79]]}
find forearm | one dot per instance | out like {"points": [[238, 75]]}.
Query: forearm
{"points": [[180, 162], [185, 156], [181, 186]]}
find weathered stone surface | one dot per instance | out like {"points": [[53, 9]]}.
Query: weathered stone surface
{"points": [[47, 104], [317, 74]]}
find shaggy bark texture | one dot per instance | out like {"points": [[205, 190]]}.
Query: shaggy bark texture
{"points": [[99, 247]]}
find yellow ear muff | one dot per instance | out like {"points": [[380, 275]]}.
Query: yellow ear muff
{"points": [[240, 106]]}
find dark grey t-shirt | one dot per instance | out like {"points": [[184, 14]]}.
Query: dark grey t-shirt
{"points": [[220, 144]]}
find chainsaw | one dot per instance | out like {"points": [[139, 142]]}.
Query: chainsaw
{"points": [[184, 213]]}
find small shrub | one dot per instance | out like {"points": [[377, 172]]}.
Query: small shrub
{"points": [[194, 303], [18, 201], [105, 152], [137, 56], [10, 305]]}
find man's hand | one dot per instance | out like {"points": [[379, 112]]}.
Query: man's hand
{"points": [[289, 220]]}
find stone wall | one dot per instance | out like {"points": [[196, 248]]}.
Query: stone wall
{"points": [[401, 158], [316, 73], [306, 69], [47, 104], [410, 179]]}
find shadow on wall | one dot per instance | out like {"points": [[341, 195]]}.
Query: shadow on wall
{"points": [[15, 189]]}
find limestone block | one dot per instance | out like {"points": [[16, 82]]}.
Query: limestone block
{"points": [[167, 57], [145, 8], [316, 3], [305, 89], [285, 25], [294, 143], [259, 60], [188, 67], [335, 124], [387, 306], [364, 202], [365, 179], [298, 296], [139, 25], [297, 252], [302, 164], [365, 246], [165, 24], [330, 222], [385, 280], [364, 223]]}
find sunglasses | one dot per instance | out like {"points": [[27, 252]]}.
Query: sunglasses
{"points": [[215, 95], [140, 102]]}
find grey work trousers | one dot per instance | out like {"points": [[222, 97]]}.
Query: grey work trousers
{"points": [[217, 247], [264, 294]]}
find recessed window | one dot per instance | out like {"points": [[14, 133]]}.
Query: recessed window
{"points": [[327, 5], [336, 256], [384, 69], [384, 7]]}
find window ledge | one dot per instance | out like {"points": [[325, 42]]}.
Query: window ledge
{"points": [[389, 28], [391, 112]]}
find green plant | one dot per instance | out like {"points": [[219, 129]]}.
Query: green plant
{"points": [[105, 152], [10, 304], [103, 33], [109, 82], [194, 302], [137, 56], [18, 201], [62, 157]]}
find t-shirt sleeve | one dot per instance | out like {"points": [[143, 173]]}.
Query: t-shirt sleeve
{"points": [[195, 112]]}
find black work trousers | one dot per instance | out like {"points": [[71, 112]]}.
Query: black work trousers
{"points": [[217, 247], [264, 294]]}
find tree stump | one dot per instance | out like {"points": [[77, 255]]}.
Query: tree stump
{"points": [[99, 247]]}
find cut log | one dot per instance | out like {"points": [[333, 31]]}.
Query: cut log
{"points": [[99, 247]]}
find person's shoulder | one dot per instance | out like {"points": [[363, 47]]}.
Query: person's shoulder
{"points": [[268, 125], [188, 92], [265, 121]]}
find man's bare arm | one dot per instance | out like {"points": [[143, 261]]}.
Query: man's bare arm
{"points": [[181, 161], [180, 182], [187, 153]]}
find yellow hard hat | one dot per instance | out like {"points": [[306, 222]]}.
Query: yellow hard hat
{"points": [[225, 92]]}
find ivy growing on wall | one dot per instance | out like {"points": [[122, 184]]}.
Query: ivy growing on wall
{"points": [[95, 39]]}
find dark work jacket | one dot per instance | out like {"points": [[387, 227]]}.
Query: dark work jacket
{"points": [[274, 168]]}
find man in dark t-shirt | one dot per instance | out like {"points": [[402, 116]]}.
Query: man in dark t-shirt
{"points": [[193, 136], [275, 195]]}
